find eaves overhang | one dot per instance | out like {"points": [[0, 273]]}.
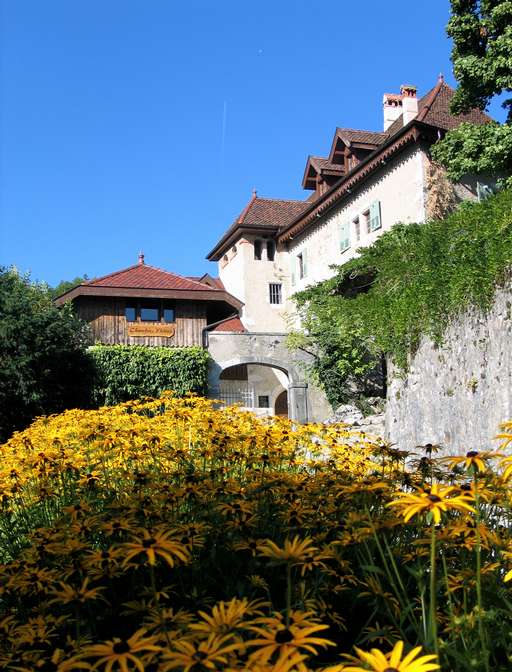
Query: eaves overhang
{"points": [[233, 235], [132, 292]]}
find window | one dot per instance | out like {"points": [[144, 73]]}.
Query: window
{"points": [[271, 250], [257, 250], [275, 293], [300, 262], [150, 311], [357, 228], [366, 220], [264, 401]]}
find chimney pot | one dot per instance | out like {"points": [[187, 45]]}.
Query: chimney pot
{"points": [[141, 257]]}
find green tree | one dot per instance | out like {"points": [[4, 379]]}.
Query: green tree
{"points": [[42, 350], [481, 31], [66, 285]]}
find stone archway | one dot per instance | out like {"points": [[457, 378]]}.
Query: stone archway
{"points": [[235, 349]]}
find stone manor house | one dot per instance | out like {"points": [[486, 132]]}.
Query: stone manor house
{"points": [[369, 181]]}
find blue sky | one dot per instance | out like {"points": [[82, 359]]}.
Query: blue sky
{"points": [[145, 124]]}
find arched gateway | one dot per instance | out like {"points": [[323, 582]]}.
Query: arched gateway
{"points": [[264, 369]]}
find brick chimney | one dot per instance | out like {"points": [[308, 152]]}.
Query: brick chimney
{"points": [[392, 103], [409, 103]]}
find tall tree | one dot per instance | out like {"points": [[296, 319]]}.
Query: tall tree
{"points": [[42, 350], [481, 31]]}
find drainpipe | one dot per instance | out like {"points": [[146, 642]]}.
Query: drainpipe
{"points": [[204, 333]]}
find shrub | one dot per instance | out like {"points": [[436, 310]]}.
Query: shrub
{"points": [[44, 368], [126, 372]]}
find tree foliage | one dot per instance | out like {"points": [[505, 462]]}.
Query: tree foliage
{"points": [[42, 350], [124, 372], [65, 285], [411, 282], [481, 31]]}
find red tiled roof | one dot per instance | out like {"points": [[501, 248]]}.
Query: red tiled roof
{"points": [[230, 324], [272, 214], [365, 137], [434, 109], [143, 276], [324, 164]]}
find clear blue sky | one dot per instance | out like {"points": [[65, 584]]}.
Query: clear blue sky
{"points": [[145, 124]]}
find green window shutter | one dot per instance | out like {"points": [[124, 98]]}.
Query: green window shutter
{"points": [[344, 236], [305, 261], [375, 221], [292, 268]]}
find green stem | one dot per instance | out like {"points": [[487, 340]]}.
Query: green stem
{"points": [[288, 593], [433, 605], [478, 551]]}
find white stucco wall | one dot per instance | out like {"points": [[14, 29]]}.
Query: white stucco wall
{"points": [[248, 279], [400, 188]]}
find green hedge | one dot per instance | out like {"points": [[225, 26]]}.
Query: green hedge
{"points": [[124, 372]]}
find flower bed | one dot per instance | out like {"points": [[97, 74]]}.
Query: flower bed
{"points": [[168, 535]]}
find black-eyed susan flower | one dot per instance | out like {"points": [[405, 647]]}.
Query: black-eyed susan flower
{"points": [[121, 654], [207, 654], [473, 460], [153, 545], [435, 500], [376, 661], [282, 641]]}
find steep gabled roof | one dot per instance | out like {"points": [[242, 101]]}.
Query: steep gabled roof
{"points": [[317, 165], [260, 214], [434, 109]]}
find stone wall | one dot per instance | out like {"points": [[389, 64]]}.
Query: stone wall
{"points": [[456, 394]]}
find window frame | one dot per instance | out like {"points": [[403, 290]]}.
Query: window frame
{"points": [[138, 306], [275, 290]]}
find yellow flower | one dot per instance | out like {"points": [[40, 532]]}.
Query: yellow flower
{"points": [[155, 544], [285, 641], [67, 594], [473, 459], [117, 654], [435, 500], [208, 654], [227, 616], [294, 551], [393, 661]]}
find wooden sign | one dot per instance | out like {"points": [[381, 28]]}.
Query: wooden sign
{"points": [[144, 329]]}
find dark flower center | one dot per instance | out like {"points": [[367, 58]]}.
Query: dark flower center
{"points": [[200, 655], [472, 453], [391, 669], [284, 636], [121, 647], [147, 543], [434, 499]]}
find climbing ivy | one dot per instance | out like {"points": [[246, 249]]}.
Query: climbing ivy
{"points": [[124, 372], [411, 282]]}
